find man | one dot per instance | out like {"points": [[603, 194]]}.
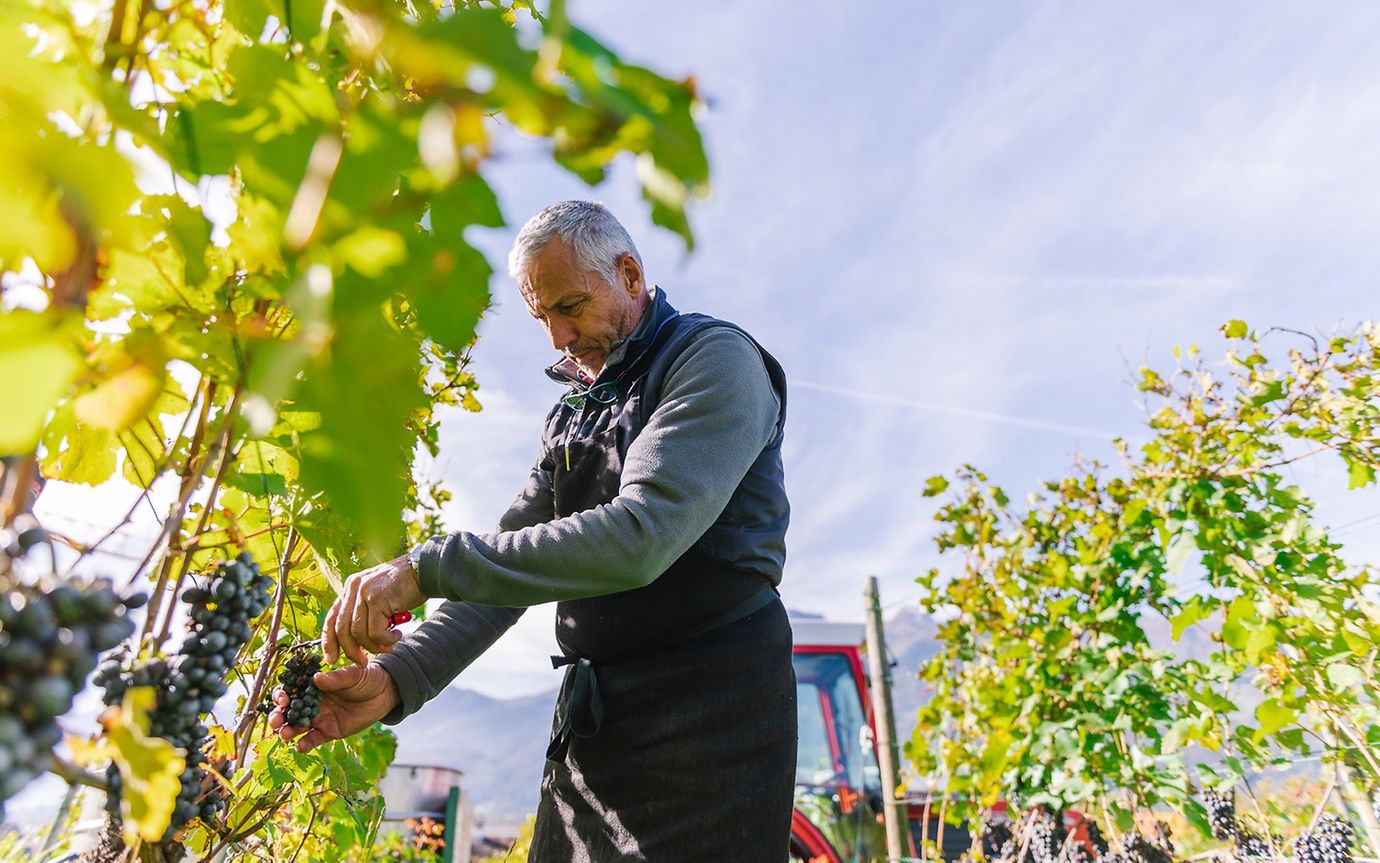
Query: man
{"points": [[655, 516]]}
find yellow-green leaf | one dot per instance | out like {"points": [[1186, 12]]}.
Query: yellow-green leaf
{"points": [[372, 251], [121, 399], [38, 362], [150, 768]]}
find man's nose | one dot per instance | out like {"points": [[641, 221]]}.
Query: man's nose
{"points": [[562, 334]]}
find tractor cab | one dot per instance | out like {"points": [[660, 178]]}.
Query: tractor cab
{"points": [[838, 781]]}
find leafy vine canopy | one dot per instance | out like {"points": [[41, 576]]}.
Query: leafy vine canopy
{"points": [[333, 306], [233, 257]]}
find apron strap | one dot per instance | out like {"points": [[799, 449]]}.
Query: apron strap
{"points": [[582, 710]]}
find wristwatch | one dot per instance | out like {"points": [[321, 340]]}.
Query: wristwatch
{"points": [[414, 556]]}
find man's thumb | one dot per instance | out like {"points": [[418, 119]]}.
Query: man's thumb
{"points": [[341, 678]]}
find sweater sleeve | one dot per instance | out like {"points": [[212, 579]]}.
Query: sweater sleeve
{"points": [[453, 636], [717, 412]]}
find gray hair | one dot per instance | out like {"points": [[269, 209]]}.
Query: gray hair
{"points": [[595, 236]]}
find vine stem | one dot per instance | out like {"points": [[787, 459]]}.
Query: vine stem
{"points": [[247, 722], [186, 552], [74, 775], [236, 835], [18, 480], [173, 527], [1265, 822], [311, 822]]}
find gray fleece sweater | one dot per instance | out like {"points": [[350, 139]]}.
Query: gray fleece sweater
{"points": [[717, 412]]}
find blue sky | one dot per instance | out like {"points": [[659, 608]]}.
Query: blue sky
{"points": [[956, 225]]}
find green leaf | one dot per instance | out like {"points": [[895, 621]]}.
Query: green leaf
{"points": [[1259, 641], [1179, 550], [1359, 473], [121, 399], [935, 485], [468, 201], [366, 388], [1193, 611], [77, 453], [1273, 715], [447, 282], [667, 195], [1344, 676], [38, 363], [1234, 329], [371, 251]]}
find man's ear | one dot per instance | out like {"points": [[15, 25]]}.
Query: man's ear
{"points": [[630, 274]]}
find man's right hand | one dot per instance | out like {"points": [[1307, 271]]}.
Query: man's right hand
{"points": [[353, 698]]}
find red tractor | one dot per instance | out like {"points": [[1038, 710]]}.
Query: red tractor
{"points": [[838, 786]]}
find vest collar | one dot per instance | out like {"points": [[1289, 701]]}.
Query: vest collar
{"points": [[659, 311]]}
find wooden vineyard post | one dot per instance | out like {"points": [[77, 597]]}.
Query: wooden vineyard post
{"points": [[879, 673]]}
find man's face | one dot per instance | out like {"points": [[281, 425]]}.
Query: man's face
{"points": [[583, 314]]}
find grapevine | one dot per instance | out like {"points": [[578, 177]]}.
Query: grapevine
{"points": [[189, 688], [51, 634]]}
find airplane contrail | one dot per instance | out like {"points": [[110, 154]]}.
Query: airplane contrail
{"points": [[951, 410]]}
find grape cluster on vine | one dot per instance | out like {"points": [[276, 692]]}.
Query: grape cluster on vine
{"points": [[304, 699], [1250, 844], [189, 688], [1139, 848], [1329, 842], [997, 839], [51, 634], [1045, 837], [1221, 809]]}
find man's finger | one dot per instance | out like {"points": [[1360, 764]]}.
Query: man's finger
{"points": [[341, 678], [281, 698], [276, 720], [287, 732], [370, 627], [329, 646], [345, 621], [312, 739], [379, 637]]}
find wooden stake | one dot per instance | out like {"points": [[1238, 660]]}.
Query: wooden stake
{"points": [[893, 810]]}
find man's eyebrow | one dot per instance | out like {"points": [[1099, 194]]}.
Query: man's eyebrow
{"points": [[578, 295]]}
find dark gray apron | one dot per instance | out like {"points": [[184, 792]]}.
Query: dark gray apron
{"points": [[675, 730]]}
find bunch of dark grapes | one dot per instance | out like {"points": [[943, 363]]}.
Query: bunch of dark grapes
{"points": [[1329, 842], [50, 636], [997, 841], [188, 688], [1046, 837], [1250, 844], [1140, 848], [304, 699], [1221, 809], [1076, 852], [1096, 839]]}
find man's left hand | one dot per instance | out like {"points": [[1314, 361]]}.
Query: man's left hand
{"points": [[359, 619]]}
